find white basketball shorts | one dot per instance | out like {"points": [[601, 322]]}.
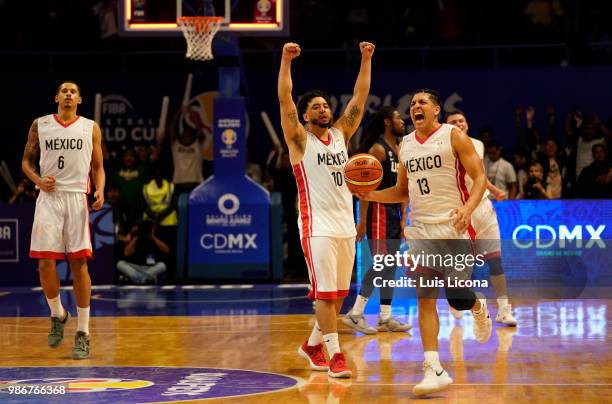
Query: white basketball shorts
{"points": [[330, 266], [61, 226], [485, 223], [437, 248]]}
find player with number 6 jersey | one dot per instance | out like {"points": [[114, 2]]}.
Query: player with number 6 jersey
{"points": [[69, 147]]}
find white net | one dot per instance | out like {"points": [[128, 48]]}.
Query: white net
{"points": [[199, 33]]}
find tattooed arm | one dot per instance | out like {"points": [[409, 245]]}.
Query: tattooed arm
{"points": [[294, 132], [28, 162], [351, 118]]}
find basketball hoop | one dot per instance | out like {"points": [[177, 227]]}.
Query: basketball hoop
{"points": [[199, 33]]}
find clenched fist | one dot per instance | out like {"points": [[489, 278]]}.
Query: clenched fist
{"points": [[367, 49], [291, 50]]}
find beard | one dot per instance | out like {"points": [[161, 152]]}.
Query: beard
{"points": [[316, 122], [399, 132]]}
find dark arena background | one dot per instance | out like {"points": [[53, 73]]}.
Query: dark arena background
{"points": [[220, 312]]}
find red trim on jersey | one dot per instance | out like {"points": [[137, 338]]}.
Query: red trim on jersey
{"points": [[382, 218], [329, 138], [330, 295], [87, 253], [54, 255], [461, 185], [493, 254], [67, 124], [89, 182], [472, 233], [304, 195], [88, 228], [374, 221], [343, 293], [428, 136], [379, 247], [313, 279]]}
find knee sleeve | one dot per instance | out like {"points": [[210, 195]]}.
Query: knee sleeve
{"points": [[495, 266], [460, 298]]}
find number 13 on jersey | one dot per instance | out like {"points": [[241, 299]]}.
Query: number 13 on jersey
{"points": [[423, 186]]}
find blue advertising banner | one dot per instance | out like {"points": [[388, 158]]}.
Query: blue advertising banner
{"points": [[229, 214], [229, 136], [562, 244], [229, 224], [18, 269], [551, 249]]}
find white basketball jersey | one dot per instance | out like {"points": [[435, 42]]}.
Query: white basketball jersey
{"points": [[479, 146], [65, 152], [436, 178], [326, 204], [187, 162]]}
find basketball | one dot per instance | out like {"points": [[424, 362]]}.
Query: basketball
{"points": [[363, 173]]}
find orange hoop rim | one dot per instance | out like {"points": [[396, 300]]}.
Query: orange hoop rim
{"points": [[201, 23]]}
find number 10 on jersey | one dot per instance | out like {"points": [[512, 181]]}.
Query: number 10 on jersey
{"points": [[338, 180]]}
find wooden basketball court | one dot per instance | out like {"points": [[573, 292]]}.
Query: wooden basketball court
{"points": [[561, 350]]}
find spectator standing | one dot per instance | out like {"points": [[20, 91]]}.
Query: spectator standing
{"points": [[595, 180], [499, 171]]}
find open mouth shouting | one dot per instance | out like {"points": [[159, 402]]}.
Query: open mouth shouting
{"points": [[419, 117]]}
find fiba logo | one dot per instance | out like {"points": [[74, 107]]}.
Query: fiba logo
{"points": [[264, 6], [229, 137], [231, 200]]}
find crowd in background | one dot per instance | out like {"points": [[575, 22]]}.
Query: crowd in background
{"points": [[557, 157], [568, 158]]}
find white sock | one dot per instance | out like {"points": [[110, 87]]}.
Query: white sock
{"points": [[385, 312], [55, 305], [331, 343], [433, 358], [502, 301], [316, 336], [83, 319], [360, 304]]}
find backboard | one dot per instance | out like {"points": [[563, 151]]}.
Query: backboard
{"points": [[240, 17]]}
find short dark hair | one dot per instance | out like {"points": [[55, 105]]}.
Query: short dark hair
{"points": [[536, 164], [59, 87], [454, 112], [595, 146], [492, 143], [307, 97], [433, 95]]}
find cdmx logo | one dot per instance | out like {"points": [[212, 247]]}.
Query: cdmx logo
{"points": [[546, 236]]}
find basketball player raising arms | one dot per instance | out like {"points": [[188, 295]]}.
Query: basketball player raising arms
{"points": [[69, 146], [485, 223], [317, 151], [383, 224], [434, 160]]}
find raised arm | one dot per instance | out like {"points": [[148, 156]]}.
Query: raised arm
{"points": [[351, 118], [466, 153], [97, 168], [294, 132]]}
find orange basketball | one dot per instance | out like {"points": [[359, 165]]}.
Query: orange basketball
{"points": [[363, 173]]}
